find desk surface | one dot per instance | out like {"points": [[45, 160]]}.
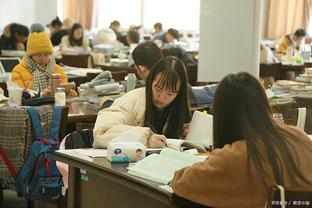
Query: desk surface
{"points": [[81, 112], [110, 180]]}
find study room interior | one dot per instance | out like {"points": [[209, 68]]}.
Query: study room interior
{"points": [[155, 103]]}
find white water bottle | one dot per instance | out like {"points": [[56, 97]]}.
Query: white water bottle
{"points": [[60, 97], [131, 82]]}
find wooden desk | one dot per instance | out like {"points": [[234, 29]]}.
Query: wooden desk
{"points": [[291, 71], [81, 112], [98, 183]]}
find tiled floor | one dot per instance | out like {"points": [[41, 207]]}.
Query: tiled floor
{"points": [[10, 200]]}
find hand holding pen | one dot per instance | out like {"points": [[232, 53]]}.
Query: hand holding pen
{"points": [[155, 140]]}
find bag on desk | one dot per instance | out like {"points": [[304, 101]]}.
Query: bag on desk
{"points": [[79, 139], [39, 178]]}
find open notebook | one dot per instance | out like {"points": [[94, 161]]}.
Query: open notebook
{"points": [[161, 167], [200, 135]]}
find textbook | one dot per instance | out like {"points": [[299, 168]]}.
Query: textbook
{"points": [[201, 129], [161, 167]]}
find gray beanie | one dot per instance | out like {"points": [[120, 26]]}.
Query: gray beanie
{"points": [[36, 27]]}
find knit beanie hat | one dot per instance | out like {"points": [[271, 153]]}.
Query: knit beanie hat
{"points": [[36, 27], [38, 42]]}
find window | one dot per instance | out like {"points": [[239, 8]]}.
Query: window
{"points": [[126, 12], [178, 14]]}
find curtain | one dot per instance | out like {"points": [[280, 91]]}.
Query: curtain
{"points": [[286, 16], [308, 13], [82, 11]]}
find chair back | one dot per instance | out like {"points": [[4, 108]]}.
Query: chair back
{"points": [[81, 61], [282, 198]]}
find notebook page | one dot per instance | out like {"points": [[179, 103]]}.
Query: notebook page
{"points": [[161, 167], [174, 143], [201, 129], [157, 168], [191, 159]]}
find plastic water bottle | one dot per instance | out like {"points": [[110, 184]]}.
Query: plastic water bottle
{"points": [[60, 97], [131, 82]]}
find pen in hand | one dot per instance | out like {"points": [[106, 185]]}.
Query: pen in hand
{"points": [[158, 136]]}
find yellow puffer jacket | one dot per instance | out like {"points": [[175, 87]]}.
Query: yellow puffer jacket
{"points": [[284, 45], [23, 77]]}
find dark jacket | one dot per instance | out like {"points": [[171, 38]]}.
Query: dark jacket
{"points": [[56, 38]]}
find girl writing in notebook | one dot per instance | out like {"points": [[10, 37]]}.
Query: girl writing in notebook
{"points": [[155, 112], [253, 151]]}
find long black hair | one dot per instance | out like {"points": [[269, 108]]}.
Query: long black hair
{"points": [[173, 74], [242, 112], [72, 40]]}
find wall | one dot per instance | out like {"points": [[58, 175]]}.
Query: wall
{"points": [[27, 12], [229, 38]]}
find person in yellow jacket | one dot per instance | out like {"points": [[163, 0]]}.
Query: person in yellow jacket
{"points": [[291, 41], [36, 68]]}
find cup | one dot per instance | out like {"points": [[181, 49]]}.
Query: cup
{"points": [[15, 96]]}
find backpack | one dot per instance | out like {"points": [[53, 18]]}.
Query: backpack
{"points": [[39, 177]]}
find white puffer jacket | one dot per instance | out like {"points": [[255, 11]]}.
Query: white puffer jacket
{"points": [[126, 114]]}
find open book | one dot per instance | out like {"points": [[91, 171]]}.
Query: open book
{"points": [[201, 129], [161, 167], [182, 145]]}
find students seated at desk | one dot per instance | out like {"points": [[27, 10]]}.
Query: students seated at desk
{"points": [[293, 40], [68, 23], [158, 31], [161, 105], [170, 37], [115, 26], [174, 50], [36, 68], [14, 37], [57, 32], [132, 37], [253, 151], [76, 40], [145, 56]]}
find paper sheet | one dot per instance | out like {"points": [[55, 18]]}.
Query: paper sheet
{"points": [[201, 129], [93, 152]]}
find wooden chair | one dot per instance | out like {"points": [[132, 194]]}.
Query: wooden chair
{"points": [[115, 69], [281, 198], [82, 61], [119, 75]]}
